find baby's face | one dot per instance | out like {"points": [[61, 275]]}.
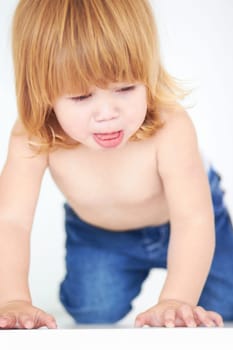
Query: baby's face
{"points": [[103, 118]]}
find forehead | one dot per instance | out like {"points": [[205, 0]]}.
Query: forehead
{"points": [[74, 75]]}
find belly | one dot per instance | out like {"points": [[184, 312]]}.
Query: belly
{"points": [[119, 217], [122, 205]]}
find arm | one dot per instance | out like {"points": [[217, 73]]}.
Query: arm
{"points": [[192, 237], [20, 182], [187, 191]]}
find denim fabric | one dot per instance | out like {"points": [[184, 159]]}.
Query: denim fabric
{"points": [[105, 270]]}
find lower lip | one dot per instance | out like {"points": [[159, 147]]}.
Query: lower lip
{"points": [[109, 140]]}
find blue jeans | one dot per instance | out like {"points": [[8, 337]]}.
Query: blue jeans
{"points": [[105, 270]]}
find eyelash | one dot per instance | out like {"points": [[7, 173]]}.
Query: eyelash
{"points": [[84, 97]]}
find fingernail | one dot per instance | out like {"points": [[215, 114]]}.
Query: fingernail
{"points": [[3, 323], [137, 324], [192, 324], [28, 324], [170, 325], [53, 325], [210, 324]]}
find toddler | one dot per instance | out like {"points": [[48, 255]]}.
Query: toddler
{"points": [[97, 108]]}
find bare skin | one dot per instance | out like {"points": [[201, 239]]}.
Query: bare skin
{"points": [[112, 193], [143, 183]]}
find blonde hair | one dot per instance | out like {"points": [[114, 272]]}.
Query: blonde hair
{"points": [[65, 46]]}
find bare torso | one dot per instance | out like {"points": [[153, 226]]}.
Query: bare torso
{"points": [[116, 189]]}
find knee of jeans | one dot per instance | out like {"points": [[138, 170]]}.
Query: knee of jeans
{"points": [[106, 312]]}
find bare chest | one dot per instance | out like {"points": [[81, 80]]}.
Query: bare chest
{"points": [[121, 185]]}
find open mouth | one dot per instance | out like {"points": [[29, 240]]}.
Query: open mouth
{"points": [[108, 140]]}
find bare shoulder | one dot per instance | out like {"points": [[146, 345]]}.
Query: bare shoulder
{"points": [[20, 180], [177, 123], [19, 146], [177, 141]]}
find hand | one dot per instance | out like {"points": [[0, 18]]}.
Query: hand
{"points": [[173, 313], [22, 314]]}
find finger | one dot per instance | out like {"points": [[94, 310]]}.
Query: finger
{"points": [[139, 321], [3, 321], [7, 321], [50, 322], [26, 321], [185, 312], [216, 318], [45, 320], [169, 318], [146, 318], [203, 317]]}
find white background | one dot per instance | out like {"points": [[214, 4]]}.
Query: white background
{"points": [[196, 42]]}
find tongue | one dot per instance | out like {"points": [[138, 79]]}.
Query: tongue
{"points": [[109, 140], [108, 136]]}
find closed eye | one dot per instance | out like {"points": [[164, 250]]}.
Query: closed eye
{"points": [[80, 98], [84, 97], [127, 88]]}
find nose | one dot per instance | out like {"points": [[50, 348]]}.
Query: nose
{"points": [[106, 109]]}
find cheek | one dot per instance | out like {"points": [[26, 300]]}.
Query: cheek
{"points": [[70, 123], [64, 121], [143, 109], [140, 109], [74, 128]]}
